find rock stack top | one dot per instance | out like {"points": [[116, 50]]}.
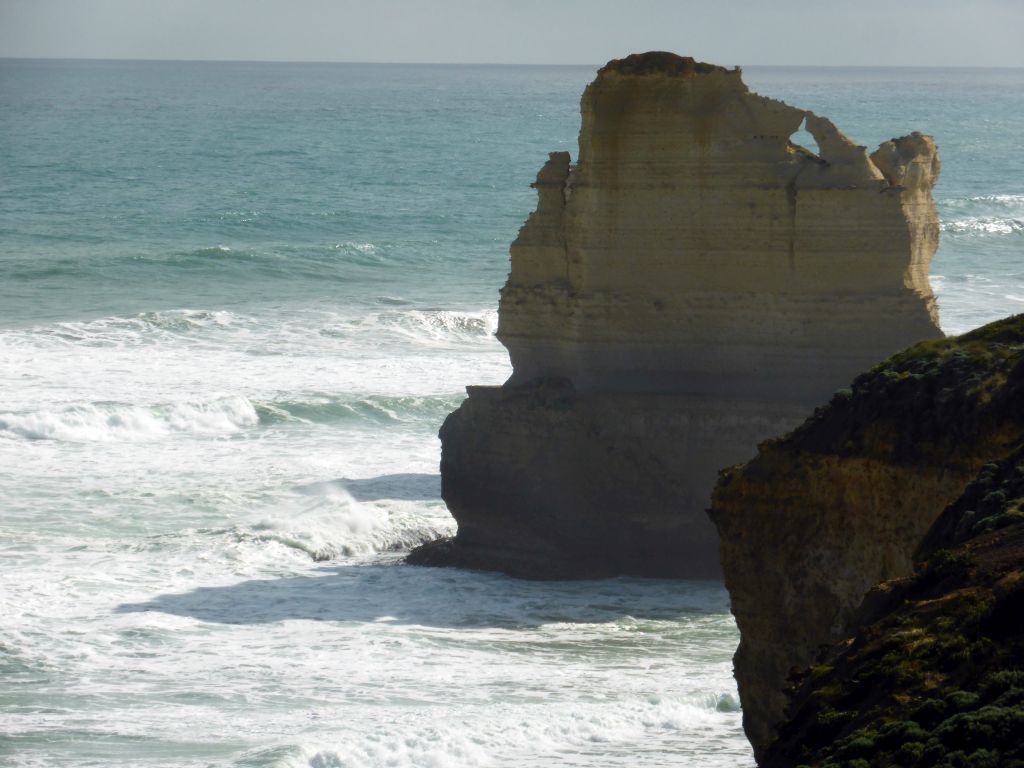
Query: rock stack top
{"points": [[695, 248], [661, 61]]}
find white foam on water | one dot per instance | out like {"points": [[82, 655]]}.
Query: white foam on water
{"points": [[613, 732], [1005, 200], [985, 225], [113, 422], [334, 525], [428, 327], [983, 215], [281, 356], [357, 247], [131, 330], [428, 750], [271, 659], [442, 323]]}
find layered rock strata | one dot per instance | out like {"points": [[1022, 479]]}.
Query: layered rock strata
{"points": [[823, 514], [693, 284]]}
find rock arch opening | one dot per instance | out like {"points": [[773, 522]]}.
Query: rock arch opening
{"points": [[803, 139]]}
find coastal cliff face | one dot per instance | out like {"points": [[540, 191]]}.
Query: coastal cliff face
{"points": [[934, 675], [693, 284], [823, 514]]}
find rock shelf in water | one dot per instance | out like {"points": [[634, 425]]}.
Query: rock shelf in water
{"points": [[693, 284]]}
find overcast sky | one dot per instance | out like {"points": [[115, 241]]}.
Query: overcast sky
{"points": [[825, 32]]}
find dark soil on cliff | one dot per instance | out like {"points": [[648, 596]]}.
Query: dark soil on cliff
{"points": [[935, 676]]}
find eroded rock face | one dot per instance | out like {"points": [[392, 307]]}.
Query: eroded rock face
{"points": [[822, 515], [696, 283], [934, 673]]}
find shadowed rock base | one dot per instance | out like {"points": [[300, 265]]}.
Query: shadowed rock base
{"points": [[547, 482]]}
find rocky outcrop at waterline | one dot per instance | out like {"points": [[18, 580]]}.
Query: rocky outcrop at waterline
{"points": [[694, 283], [822, 515]]}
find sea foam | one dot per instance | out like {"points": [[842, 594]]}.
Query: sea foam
{"points": [[985, 225], [112, 422], [984, 215]]}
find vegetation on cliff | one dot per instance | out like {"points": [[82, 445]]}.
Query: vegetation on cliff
{"points": [[823, 514], [947, 399], [934, 676]]}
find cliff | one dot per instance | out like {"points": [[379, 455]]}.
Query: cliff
{"points": [[825, 513], [693, 284], [934, 675]]}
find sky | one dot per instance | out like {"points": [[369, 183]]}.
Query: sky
{"points": [[776, 32]]}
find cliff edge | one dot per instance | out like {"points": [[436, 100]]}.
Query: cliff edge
{"points": [[842, 503], [694, 283]]}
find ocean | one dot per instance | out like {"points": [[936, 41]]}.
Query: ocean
{"points": [[236, 302]]}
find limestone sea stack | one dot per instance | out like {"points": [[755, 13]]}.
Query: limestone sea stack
{"points": [[822, 515], [694, 283]]}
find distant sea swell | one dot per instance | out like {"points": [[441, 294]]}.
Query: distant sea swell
{"points": [[984, 215]]}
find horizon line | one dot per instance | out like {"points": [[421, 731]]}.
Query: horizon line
{"points": [[473, 63]]}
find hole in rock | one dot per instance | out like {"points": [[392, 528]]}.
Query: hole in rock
{"points": [[802, 138]]}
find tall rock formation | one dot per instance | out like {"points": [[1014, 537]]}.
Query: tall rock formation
{"points": [[842, 503], [693, 284]]}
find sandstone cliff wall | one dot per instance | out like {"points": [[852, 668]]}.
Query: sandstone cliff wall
{"points": [[820, 516], [694, 272], [933, 674]]}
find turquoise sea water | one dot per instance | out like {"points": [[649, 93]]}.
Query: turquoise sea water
{"points": [[236, 301]]}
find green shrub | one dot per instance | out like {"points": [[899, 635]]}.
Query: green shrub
{"points": [[894, 734], [962, 700], [859, 746], [911, 752], [930, 712], [949, 563], [987, 727]]}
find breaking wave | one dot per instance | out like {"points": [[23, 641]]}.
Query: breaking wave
{"points": [[985, 225], [381, 409], [127, 331], [571, 735], [201, 326], [441, 324], [335, 525], [321, 521], [116, 422], [113, 422]]}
